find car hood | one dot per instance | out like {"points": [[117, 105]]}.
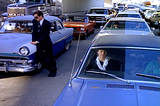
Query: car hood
{"points": [[74, 24], [110, 93], [11, 42], [124, 32]]}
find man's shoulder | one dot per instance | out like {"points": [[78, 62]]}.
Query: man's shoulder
{"points": [[46, 21]]}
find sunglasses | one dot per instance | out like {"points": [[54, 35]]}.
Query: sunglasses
{"points": [[35, 17]]}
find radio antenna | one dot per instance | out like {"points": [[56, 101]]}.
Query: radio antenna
{"points": [[75, 57]]}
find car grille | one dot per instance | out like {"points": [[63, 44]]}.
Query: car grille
{"points": [[97, 18], [11, 60], [12, 12]]}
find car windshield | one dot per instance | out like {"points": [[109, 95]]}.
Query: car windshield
{"points": [[126, 25], [26, 1], [77, 19], [16, 27], [126, 64], [129, 15], [98, 11]]}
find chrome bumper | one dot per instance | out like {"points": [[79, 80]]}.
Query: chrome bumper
{"points": [[16, 65], [8, 68]]}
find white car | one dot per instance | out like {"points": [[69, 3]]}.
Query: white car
{"points": [[100, 14], [126, 26], [129, 13]]}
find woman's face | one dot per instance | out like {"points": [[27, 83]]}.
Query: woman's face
{"points": [[102, 53]]}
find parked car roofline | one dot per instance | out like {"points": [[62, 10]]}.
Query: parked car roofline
{"points": [[126, 19], [128, 41], [30, 18]]}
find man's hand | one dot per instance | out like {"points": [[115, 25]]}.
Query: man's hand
{"points": [[34, 42]]}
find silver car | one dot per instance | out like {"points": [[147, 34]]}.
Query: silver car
{"points": [[126, 26]]}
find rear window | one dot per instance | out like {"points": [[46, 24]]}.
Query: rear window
{"points": [[126, 25], [129, 15]]}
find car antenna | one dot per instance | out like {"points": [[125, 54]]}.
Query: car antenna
{"points": [[75, 56]]}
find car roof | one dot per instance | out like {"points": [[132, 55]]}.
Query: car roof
{"points": [[99, 7], [126, 19], [30, 18], [128, 41], [128, 12]]}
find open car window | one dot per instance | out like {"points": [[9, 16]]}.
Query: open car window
{"points": [[126, 63]]}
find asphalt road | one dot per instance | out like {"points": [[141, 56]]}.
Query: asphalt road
{"points": [[18, 89]]}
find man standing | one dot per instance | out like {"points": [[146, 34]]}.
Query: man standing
{"points": [[41, 38]]}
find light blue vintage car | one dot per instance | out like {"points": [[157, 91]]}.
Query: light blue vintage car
{"points": [[17, 54]]}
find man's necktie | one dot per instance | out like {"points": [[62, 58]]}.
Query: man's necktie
{"points": [[39, 26]]}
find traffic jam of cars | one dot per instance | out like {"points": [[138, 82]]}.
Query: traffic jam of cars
{"points": [[120, 68]]}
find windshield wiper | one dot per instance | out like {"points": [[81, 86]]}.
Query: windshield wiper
{"points": [[112, 75], [145, 75]]}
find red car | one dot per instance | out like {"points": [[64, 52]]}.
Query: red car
{"points": [[81, 24]]}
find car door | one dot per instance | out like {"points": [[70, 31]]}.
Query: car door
{"points": [[56, 38]]}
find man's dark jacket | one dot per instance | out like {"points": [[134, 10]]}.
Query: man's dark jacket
{"points": [[43, 35]]}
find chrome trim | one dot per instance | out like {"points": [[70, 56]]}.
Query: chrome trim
{"points": [[134, 47], [12, 60], [67, 36], [17, 69]]}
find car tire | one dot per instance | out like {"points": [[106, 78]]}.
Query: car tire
{"points": [[92, 31], [85, 35]]}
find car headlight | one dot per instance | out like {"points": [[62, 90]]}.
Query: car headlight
{"points": [[82, 28], [24, 51]]}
